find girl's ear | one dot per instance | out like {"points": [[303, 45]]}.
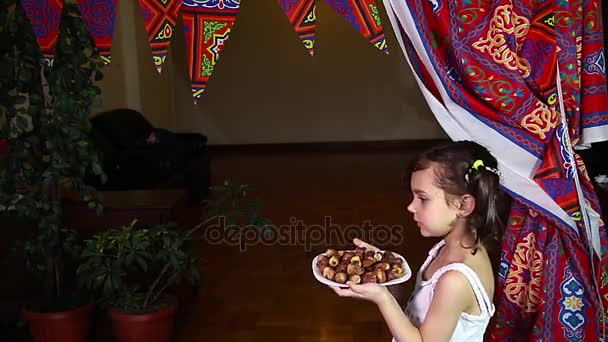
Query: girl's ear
{"points": [[467, 205]]}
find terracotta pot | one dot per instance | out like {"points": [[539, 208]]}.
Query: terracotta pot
{"points": [[155, 326], [66, 326]]}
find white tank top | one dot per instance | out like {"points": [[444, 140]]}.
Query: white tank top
{"points": [[469, 327]]}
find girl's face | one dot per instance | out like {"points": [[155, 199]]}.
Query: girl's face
{"points": [[431, 212]]}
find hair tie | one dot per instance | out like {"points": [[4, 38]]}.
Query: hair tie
{"points": [[479, 163]]}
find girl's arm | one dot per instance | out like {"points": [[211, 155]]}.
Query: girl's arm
{"points": [[398, 323], [452, 296]]}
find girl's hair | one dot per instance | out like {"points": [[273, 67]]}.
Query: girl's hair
{"points": [[456, 175]]}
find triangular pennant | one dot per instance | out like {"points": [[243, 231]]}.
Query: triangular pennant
{"points": [[207, 25], [45, 17], [160, 17], [362, 15], [302, 16], [99, 17]]}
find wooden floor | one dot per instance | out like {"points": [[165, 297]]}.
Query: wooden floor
{"points": [[266, 291]]}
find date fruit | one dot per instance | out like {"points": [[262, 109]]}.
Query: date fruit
{"points": [[360, 266]]}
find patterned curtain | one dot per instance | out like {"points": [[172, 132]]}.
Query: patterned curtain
{"points": [[45, 17], [527, 80]]}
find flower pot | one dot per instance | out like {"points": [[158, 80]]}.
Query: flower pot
{"points": [[66, 326], [155, 326]]}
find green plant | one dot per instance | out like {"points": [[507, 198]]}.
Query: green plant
{"points": [[44, 116], [232, 202], [130, 269]]}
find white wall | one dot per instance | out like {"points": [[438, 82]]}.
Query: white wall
{"points": [[268, 89]]}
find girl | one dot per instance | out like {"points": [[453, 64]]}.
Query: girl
{"points": [[456, 196]]}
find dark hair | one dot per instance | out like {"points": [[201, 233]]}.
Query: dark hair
{"points": [[454, 164]]}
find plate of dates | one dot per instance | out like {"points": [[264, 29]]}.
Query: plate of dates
{"points": [[360, 266]]}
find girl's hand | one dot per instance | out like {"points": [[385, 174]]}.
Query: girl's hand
{"points": [[363, 244], [371, 291]]}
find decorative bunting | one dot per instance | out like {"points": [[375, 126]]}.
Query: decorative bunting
{"points": [[160, 17], [99, 17], [207, 24], [301, 14], [45, 17], [362, 15]]}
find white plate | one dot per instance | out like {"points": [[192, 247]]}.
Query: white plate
{"points": [[322, 279]]}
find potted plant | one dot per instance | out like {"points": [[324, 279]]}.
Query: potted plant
{"points": [[44, 120], [135, 270], [132, 269]]}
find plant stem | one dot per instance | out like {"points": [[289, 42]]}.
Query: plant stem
{"points": [[159, 293], [156, 281], [49, 289], [166, 268], [198, 226], [58, 275]]}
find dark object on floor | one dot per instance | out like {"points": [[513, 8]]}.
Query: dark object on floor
{"points": [[136, 155]]}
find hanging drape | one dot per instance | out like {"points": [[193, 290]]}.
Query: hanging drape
{"points": [[527, 80]]}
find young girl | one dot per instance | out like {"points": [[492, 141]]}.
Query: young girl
{"points": [[456, 196]]}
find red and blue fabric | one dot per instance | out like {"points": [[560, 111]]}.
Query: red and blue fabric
{"points": [[207, 25], [45, 17], [160, 17], [99, 16], [302, 16], [364, 17], [527, 81], [361, 14]]}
